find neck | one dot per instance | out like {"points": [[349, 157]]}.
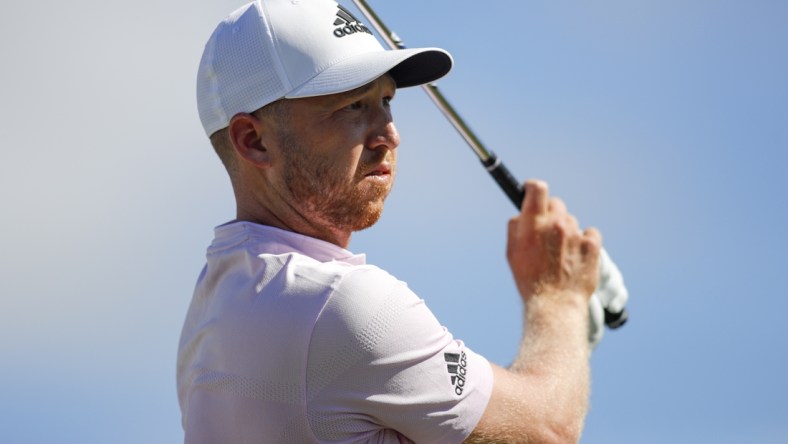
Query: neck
{"points": [[288, 218]]}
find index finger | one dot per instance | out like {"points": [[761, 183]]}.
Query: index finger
{"points": [[536, 198]]}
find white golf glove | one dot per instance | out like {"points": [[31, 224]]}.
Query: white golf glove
{"points": [[610, 294]]}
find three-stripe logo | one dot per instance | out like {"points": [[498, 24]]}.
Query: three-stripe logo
{"points": [[347, 23], [457, 365]]}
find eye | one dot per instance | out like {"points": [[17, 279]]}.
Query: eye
{"points": [[387, 101], [355, 106]]}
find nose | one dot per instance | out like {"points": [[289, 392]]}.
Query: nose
{"points": [[383, 133]]}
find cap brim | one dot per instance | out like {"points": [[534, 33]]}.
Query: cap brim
{"points": [[408, 67]]}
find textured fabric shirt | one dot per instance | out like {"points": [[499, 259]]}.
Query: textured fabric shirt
{"points": [[290, 339]]}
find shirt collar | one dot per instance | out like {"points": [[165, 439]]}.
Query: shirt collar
{"points": [[278, 241]]}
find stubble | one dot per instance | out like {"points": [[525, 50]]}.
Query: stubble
{"points": [[326, 195]]}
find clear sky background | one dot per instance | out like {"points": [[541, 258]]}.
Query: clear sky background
{"points": [[662, 122]]}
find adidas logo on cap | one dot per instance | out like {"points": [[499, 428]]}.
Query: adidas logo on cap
{"points": [[348, 24], [458, 368]]}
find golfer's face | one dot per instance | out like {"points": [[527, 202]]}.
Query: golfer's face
{"points": [[341, 157]]}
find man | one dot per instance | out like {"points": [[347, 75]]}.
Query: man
{"points": [[292, 338]]}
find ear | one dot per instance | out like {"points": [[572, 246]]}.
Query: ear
{"points": [[246, 134]]}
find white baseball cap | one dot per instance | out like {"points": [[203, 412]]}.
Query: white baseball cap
{"points": [[273, 49]]}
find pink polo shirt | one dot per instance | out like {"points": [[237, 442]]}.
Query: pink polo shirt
{"points": [[291, 339]]}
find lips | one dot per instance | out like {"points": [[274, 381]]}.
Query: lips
{"points": [[381, 170]]}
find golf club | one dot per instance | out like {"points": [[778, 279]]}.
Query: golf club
{"points": [[614, 316]]}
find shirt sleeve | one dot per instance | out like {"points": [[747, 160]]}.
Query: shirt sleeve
{"points": [[380, 362]]}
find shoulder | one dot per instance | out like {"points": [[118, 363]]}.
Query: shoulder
{"points": [[379, 359], [370, 299], [370, 282]]}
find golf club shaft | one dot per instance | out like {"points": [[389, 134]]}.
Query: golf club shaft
{"points": [[511, 186], [494, 166]]}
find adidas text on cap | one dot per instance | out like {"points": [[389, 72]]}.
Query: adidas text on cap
{"points": [[273, 49]]}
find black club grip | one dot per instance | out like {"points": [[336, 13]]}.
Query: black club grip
{"points": [[516, 193]]}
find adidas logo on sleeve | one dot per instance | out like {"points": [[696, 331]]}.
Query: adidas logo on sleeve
{"points": [[457, 365]]}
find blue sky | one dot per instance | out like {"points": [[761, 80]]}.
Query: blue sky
{"points": [[663, 123]]}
